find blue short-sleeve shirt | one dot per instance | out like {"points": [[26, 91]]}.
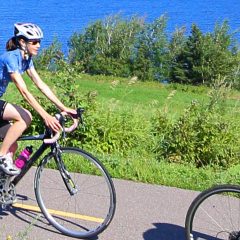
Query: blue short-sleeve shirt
{"points": [[12, 62]]}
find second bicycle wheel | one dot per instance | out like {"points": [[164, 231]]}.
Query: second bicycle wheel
{"points": [[215, 214], [90, 208]]}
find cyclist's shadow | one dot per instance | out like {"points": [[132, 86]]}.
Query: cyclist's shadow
{"points": [[30, 217], [165, 231]]}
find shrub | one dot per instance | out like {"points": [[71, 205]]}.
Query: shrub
{"points": [[201, 136], [109, 130], [106, 129]]}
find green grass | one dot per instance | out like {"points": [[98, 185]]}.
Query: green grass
{"points": [[145, 169], [139, 93], [145, 98]]}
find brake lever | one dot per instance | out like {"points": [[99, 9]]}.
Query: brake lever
{"points": [[61, 120], [79, 114]]}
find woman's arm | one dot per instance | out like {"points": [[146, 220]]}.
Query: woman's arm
{"points": [[21, 86], [44, 88]]}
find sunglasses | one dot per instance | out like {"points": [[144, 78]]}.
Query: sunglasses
{"points": [[34, 42]]}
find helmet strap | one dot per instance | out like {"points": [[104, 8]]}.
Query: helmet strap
{"points": [[25, 50], [26, 54]]}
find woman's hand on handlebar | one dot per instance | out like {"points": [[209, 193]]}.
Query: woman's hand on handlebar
{"points": [[69, 111], [74, 115], [52, 123]]}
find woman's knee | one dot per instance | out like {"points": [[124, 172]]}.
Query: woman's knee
{"points": [[27, 117], [16, 113]]}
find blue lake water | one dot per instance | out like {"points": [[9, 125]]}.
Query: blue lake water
{"points": [[61, 18]]}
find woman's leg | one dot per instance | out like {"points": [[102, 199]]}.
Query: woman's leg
{"points": [[4, 126], [21, 120]]}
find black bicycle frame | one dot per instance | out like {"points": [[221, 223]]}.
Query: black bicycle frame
{"points": [[34, 157], [43, 147]]}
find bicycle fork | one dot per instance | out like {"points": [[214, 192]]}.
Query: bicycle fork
{"points": [[66, 176]]}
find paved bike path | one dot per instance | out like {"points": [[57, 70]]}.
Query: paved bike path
{"points": [[144, 212]]}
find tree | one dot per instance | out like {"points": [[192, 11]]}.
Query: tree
{"points": [[204, 58], [105, 46], [187, 58], [151, 53]]}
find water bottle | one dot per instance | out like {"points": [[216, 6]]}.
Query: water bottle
{"points": [[23, 157]]}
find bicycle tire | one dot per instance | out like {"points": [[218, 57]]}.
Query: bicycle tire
{"points": [[215, 214], [86, 213]]}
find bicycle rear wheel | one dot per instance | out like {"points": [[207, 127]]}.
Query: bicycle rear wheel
{"points": [[89, 207], [215, 214]]}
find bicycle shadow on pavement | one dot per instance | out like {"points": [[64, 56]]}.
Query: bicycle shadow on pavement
{"points": [[165, 231], [6, 211], [30, 217]]}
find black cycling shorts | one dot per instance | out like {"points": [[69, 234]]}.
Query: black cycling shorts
{"points": [[4, 124]]}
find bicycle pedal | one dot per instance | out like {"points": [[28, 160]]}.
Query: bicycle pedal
{"points": [[4, 206]]}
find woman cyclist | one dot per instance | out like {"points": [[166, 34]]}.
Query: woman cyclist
{"points": [[14, 119]]}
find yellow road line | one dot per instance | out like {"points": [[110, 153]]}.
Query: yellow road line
{"points": [[59, 213]]}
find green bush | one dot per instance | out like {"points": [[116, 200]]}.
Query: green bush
{"points": [[65, 87], [106, 129], [109, 130], [201, 136]]}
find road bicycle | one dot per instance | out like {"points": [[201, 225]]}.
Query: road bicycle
{"points": [[215, 214], [73, 189]]}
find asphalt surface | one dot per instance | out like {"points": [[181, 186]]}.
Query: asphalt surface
{"points": [[144, 211]]}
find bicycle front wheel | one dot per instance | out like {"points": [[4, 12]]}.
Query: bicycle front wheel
{"points": [[215, 214], [85, 210]]}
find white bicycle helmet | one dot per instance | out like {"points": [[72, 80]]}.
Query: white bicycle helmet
{"points": [[28, 30]]}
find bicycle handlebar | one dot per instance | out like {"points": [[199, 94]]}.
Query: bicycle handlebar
{"points": [[60, 117]]}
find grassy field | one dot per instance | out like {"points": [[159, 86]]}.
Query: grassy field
{"points": [[145, 98], [144, 95]]}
